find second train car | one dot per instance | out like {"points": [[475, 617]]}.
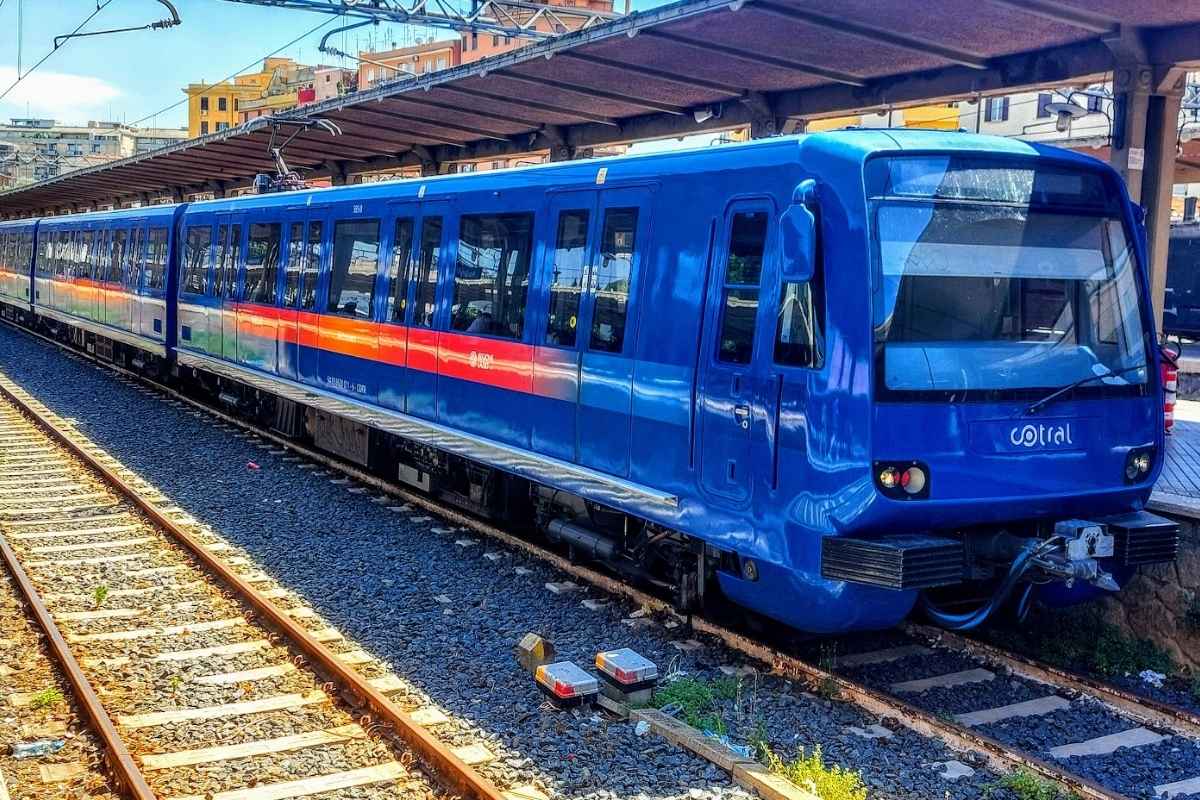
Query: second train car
{"points": [[828, 377]]}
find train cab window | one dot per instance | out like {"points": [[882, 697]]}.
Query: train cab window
{"points": [[196, 248], [612, 278], [739, 298], [354, 265], [116, 258], [312, 267], [427, 272], [262, 263], [400, 269], [566, 282], [799, 333], [156, 259], [491, 278]]}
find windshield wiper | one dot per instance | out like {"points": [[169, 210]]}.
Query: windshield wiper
{"points": [[1033, 408]]}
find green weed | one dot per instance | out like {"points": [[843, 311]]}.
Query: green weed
{"points": [[1027, 786], [47, 698], [808, 771], [697, 699], [99, 595]]}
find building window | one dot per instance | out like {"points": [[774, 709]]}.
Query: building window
{"points": [[352, 275], [1094, 102], [1044, 99], [204, 104], [203, 128], [491, 280], [222, 126], [222, 104], [371, 75], [441, 63], [996, 109], [236, 104], [495, 40]]}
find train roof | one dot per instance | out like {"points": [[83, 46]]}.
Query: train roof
{"points": [[17, 224], [850, 144], [160, 212]]}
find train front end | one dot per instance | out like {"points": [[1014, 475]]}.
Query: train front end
{"points": [[1017, 422]]}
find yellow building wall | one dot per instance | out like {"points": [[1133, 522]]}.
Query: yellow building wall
{"points": [[832, 124], [939, 117], [243, 88]]}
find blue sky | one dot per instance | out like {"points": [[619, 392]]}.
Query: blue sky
{"points": [[128, 76]]}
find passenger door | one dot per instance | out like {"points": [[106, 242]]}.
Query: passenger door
{"points": [[556, 357], [609, 329], [257, 342], [308, 318], [229, 249], [393, 333], [729, 379], [435, 231]]}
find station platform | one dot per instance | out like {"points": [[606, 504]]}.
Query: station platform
{"points": [[1178, 488]]}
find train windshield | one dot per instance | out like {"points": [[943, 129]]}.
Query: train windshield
{"points": [[999, 279]]}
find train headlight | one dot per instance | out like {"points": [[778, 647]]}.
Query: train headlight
{"points": [[1138, 464], [889, 478], [912, 480], [906, 480]]}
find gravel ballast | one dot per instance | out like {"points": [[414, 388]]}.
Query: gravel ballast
{"points": [[444, 609]]}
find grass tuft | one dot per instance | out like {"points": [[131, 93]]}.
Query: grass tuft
{"points": [[47, 698], [808, 771], [99, 595], [697, 699], [1027, 786]]}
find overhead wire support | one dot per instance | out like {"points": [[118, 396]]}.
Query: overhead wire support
{"points": [[514, 18], [157, 25]]}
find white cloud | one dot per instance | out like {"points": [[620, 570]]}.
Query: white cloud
{"points": [[63, 96]]}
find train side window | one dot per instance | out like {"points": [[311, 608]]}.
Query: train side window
{"points": [[197, 245], [99, 252], [312, 267], [799, 333], [228, 246], [739, 298], [294, 264], [566, 286], [427, 271], [262, 262], [354, 266], [612, 278], [116, 257], [491, 278], [137, 255], [400, 269], [156, 259], [87, 244]]}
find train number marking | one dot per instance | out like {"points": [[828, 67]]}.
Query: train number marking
{"points": [[482, 360]]}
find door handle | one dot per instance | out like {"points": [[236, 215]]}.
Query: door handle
{"points": [[743, 415]]}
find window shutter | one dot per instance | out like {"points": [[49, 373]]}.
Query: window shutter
{"points": [[1004, 109]]}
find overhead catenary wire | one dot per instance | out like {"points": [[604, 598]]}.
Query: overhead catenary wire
{"points": [[20, 77], [233, 75]]}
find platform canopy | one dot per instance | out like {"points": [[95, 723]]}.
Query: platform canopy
{"points": [[689, 67]]}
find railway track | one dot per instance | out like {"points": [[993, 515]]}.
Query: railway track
{"points": [[198, 680], [895, 708]]}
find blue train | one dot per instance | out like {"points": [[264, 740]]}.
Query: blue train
{"points": [[827, 377]]}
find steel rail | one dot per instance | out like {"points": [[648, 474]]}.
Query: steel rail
{"points": [[1144, 709], [125, 771], [955, 736], [452, 771]]}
